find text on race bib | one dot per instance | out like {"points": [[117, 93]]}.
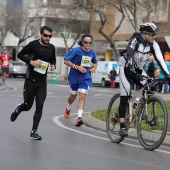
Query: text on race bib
{"points": [[6, 63], [86, 61], [42, 68]]}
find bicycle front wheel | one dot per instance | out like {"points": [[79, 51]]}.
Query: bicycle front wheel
{"points": [[112, 120], [152, 129]]}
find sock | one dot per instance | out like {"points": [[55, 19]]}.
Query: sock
{"points": [[68, 106], [122, 125], [80, 113]]}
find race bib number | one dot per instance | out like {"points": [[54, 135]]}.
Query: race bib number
{"points": [[42, 68], [85, 61], [6, 63]]}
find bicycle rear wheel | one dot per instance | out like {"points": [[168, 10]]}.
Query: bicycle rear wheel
{"points": [[112, 120], [152, 132]]}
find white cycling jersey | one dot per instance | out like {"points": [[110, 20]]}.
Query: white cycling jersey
{"points": [[138, 51]]}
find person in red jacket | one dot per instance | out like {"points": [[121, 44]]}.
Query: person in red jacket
{"points": [[5, 61]]}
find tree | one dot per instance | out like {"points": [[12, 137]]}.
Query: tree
{"points": [[99, 7], [67, 24], [3, 25], [20, 26]]}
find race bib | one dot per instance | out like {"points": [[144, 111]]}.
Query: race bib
{"points": [[42, 68], [85, 61], [6, 63]]}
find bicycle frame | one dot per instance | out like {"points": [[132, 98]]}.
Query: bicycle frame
{"points": [[145, 91]]}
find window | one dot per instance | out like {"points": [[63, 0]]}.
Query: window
{"points": [[86, 2], [54, 2], [160, 10], [17, 3]]}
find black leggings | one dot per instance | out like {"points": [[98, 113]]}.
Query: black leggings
{"points": [[34, 90], [122, 106]]}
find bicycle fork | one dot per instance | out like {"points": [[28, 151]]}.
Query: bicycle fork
{"points": [[153, 121]]}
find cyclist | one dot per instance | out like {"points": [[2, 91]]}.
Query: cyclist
{"points": [[131, 64]]}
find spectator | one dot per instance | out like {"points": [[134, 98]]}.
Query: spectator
{"points": [[112, 77], [152, 69]]}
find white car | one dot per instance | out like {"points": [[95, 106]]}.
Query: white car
{"points": [[102, 71]]}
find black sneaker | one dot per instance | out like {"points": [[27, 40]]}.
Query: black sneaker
{"points": [[15, 113], [79, 122], [34, 135], [123, 132]]}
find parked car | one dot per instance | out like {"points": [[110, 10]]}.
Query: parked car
{"points": [[16, 68]]}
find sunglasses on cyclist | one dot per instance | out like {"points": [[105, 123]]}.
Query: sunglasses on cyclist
{"points": [[87, 42], [46, 35], [151, 34]]}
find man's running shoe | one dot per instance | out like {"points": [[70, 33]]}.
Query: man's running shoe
{"points": [[123, 132], [15, 113], [79, 122], [34, 135], [67, 114]]}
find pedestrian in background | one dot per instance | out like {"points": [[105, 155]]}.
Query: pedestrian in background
{"points": [[79, 59], [5, 59], [112, 76], [37, 54], [152, 69]]}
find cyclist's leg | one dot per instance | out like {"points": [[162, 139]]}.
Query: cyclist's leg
{"points": [[125, 92]]}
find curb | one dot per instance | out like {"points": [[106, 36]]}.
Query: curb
{"points": [[96, 124]]}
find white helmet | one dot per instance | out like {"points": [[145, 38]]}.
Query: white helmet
{"points": [[149, 27]]}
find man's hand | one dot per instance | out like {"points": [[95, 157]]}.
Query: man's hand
{"points": [[93, 70], [52, 68], [134, 75], [82, 69], [35, 63]]}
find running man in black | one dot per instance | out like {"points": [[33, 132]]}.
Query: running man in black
{"points": [[38, 54], [131, 65]]}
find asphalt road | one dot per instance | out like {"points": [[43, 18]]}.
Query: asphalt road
{"points": [[64, 146]]}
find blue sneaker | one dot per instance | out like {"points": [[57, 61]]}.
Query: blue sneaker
{"points": [[34, 135], [15, 113]]}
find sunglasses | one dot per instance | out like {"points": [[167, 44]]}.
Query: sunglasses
{"points": [[87, 42], [46, 35], [151, 34]]}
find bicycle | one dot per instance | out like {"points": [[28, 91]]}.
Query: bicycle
{"points": [[152, 114]]}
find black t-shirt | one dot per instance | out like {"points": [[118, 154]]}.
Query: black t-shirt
{"points": [[34, 51]]}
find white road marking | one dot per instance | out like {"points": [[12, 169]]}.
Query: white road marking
{"points": [[57, 121]]}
